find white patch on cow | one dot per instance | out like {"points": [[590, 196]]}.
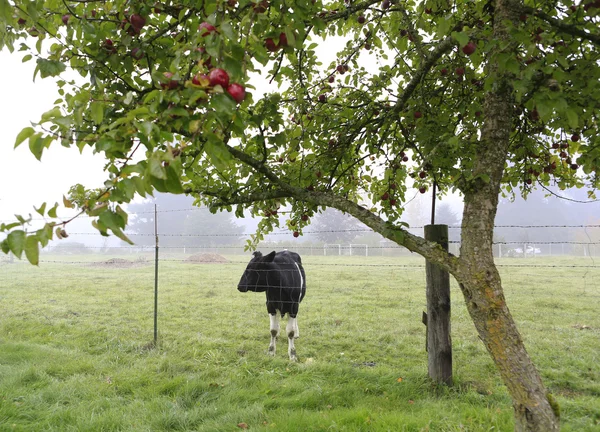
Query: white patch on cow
{"points": [[301, 282], [290, 330], [274, 333]]}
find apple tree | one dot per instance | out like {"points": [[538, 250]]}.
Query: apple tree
{"points": [[353, 105]]}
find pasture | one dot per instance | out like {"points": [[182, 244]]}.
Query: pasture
{"points": [[76, 348]]}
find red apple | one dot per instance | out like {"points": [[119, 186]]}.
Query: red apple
{"points": [[563, 154], [393, 201], [341, 69], [405, 159], [555, 145], [385, 4], [403, 32], [21, 21], [574, 166], [361, 19], [469, 48], [418, 114], [237, 92], [218, 77], [422, 189], [428, 11], [65, 19], [169, 83], [422, 174], [331, 78], [575, 137], [444, 71], [296, 234], [206, 28], [385, 196], [109, 46], [137, 22], [272, 46], [534, 115], [304, 217], [460, 71], [322, 98]]}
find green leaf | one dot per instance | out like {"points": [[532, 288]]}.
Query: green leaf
{"points": [[52, 211], [545, 110], [27, 58], [5, 11], [49, 67], [122, 236], [98, 209], [227, 30], [23, 135], [97, 109], [112, 220], [4, 246], [49, 115], [156, 168], [173, 183], [36, 145], [32, 249], [461, 38], [572, 118], [16, 242], [216, 151], [41, 210]]}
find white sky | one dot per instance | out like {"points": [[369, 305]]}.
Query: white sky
{"points": [[25, 181]]}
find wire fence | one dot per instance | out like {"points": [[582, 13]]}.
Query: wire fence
{"points": [[200, 271]]}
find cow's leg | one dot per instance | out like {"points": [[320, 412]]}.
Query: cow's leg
{"points": [[274, 332], [291, 332], [296, 330]]}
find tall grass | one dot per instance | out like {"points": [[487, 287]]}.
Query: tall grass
{"points": [[76, 350]]}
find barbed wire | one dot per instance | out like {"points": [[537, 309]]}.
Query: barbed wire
{"points": [[309, 264], [330, 246]]}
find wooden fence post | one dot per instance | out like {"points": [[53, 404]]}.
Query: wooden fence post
{"points": [[439, 342]]}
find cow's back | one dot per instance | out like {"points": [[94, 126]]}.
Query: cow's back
{"points": [[288, 285]]}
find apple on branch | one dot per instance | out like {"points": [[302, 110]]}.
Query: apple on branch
{"points": [[218, 77], [206, 28], [169, 83], [237, 92]]}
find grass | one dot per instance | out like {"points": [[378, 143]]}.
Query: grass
{"points": [[76, 349]]}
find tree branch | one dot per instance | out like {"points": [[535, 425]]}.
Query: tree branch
{"points": [[443, 47], [430, 250], [566, 28]]}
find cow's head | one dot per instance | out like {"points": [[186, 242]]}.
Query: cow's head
{"points": [[255, 275]]}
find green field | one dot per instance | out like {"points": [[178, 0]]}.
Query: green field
{"points": [[76, 348]]}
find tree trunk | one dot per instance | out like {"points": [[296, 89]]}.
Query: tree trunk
{"points": [[478, 276]]}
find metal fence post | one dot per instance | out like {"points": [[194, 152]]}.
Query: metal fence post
{"points": [[155, 277]]}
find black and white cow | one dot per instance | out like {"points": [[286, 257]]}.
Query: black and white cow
{"points": [[282, 277]]}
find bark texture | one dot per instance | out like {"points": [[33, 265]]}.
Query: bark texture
{"points": [[479, 278]]}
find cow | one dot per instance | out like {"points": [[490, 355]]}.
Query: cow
{"points": [[281, 276]]}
